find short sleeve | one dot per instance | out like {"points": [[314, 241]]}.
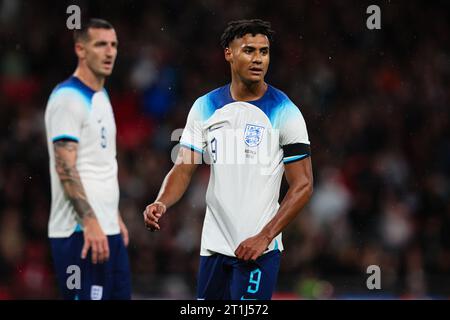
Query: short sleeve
{"points": [[192, 136], [67, 112], [293, 134]]}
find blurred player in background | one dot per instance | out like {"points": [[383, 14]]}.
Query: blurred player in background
{"points": [[85, 227], [251, 120]]}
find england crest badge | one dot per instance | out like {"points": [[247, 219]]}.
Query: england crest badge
{"points": [[253, 135], [96, 292]]}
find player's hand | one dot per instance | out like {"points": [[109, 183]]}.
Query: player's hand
{"points": [[152, 214], [252, 248], [94, 239], [124, 232]]}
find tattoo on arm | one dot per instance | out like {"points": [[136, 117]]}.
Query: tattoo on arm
{"points": [[65, 161]]}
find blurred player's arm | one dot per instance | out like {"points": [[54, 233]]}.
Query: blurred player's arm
{"points": [[300, 179], [65, 163], [173, 187], [124, 231]]}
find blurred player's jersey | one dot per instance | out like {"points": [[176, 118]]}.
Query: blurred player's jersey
{"points": [[78, 113], [247, 144]]}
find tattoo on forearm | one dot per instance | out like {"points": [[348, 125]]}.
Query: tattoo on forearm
{"points": [[70, 178]]}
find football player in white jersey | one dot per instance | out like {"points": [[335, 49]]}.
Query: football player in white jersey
{"points": [[251, 133], [87, 235]]}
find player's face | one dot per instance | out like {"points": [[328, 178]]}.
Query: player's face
{"points": [[249, 57], [100, 51]]}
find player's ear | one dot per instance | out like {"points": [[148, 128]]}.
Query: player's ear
{"points": [[80, 49], [228, 54]]}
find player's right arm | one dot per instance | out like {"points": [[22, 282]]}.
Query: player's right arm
{"points": [[177, 180], [65, 162], [173, 187]]}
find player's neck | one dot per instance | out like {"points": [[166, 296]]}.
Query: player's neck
{"points": [[241, 91], [89, 78]]}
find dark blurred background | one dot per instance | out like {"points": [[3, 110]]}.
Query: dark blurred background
{"points": [[376, 103]]}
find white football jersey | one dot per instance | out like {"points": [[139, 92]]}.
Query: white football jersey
{"points": [[78, 113], [247, 145]]}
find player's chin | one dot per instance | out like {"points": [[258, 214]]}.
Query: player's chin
{"points": [[106, 71], [255, 80], [255, 77]]}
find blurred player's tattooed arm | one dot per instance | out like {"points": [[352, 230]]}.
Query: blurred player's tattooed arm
{"points": [[65, 163]]}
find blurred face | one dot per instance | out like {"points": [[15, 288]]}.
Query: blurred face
{"points": [[98, 51], [249, 57]]}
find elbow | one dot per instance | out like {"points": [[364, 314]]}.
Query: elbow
{"points": [[309, 190], [304, 191]]}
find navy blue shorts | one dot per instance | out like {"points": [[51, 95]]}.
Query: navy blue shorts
{"points": [[104, 281], [228, 278]]}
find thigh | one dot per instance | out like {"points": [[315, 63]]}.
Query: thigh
{"points": [[213, 278], [66, 254], [120, 276], [80, 279], [255, 280], [110, 280]]}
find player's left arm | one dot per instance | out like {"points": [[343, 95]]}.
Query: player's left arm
{"points": [[124, 231], [300, 179]]}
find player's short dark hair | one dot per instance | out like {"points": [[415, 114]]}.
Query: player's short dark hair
{"points": [[239, 28], [82, 34]]}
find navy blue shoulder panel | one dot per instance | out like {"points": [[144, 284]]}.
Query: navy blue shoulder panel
{"points": [[216, 99], [271, 103], [75, 83]]}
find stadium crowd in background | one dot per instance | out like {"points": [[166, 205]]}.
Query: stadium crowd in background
{"points": [[377, 107]]}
